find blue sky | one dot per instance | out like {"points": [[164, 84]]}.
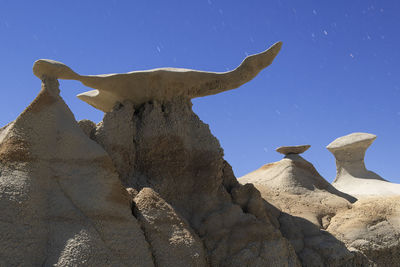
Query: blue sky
{"points": [[338, 71]]}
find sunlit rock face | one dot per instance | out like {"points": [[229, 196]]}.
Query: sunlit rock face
{"points": [[307, 203], [148, 186], [328, 227], [371, 228], [61, 200], [65, 204], [157, 142], [352, 176], [162, 84], [169, 149]]}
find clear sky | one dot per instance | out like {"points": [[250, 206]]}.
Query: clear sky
{"points": [[338, 71]]}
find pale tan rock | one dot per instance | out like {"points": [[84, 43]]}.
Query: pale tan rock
{"points": [[61, 201], [372, 228], [172, 240], [292, 149], [352, 177], [157, 84], [307, 203], [172, 152]]}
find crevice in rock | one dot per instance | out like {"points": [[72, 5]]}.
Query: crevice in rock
{"points": [[175, 154], [135, 213]]}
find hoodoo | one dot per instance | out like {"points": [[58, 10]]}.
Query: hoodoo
{"points": [[295, 187], [157, 84], [352, 177]]}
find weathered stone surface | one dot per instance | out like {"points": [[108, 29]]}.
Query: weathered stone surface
{"points": [[174, 153], [371, 228], [292, 149], [172, 240], [158, 84], [352, 177], [307, 203], [61, 200], [88, 127]]}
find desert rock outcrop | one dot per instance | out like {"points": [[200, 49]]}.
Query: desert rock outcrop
{"points": [[371, 228], [352, 177], [172, 240], [61, 200], [168, 149], [307, 203], [64, 200], [158, 84], [149, 186]]}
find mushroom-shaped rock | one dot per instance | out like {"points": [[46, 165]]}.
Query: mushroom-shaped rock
{"points": [[157, 84], [286, 150], [352, 177], [307, 202], [54, 69]]}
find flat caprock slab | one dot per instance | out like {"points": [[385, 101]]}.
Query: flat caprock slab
{"points": [[286, 150], [354, 139], [157, 84]]}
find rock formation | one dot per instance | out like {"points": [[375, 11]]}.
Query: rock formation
{"points": [[352, 177], [158, 84], [325, 226], [165, 147], [371, 228], [307, 202], [60, 197], [286, 150], [67, 206], [148, 186], [293, 174]]}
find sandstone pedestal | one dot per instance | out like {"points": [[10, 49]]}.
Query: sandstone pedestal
{"points": [[352, 177]]}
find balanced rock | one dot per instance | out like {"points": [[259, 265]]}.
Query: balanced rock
{"points": [[157, 84], [352, 177], [286, 150], [188, 208], [307, 203]]}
